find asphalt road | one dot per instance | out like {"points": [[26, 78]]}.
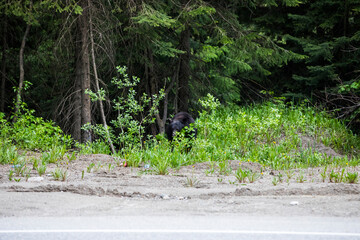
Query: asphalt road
{"points": [[179, 227]]}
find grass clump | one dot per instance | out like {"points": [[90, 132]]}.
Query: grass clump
{"points": [[96, 147], [192, 181], [60, 174], [352, 177], [9, 153], [241, 175], [41, 169]]}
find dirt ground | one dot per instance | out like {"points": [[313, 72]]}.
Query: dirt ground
{"points": [[116, 190]]}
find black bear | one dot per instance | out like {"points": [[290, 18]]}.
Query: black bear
{"points": [[177, 123]]}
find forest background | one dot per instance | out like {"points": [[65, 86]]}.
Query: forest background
{"points": [[62, 58]]}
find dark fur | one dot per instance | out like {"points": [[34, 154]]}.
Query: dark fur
{"points": [[177, 123]]}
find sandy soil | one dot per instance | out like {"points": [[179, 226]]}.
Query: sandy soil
{"points": [[117, 191]]}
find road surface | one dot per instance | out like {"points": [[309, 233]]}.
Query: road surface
{"points": [[179, 227]]}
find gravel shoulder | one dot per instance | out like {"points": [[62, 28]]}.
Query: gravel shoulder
{"points": [[121, 191]]}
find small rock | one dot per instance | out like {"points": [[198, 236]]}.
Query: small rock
{"points": [[35, 179], [164, 196], [294, 203]]}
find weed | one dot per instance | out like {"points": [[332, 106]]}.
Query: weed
{"points": [[192, 181], [332, 176], [110, 167], [289, 174], [161, 160], [224, 168], [90, 167], [19, 168], [27, 173], [60, 174], [117, 161], [95, 147], [253, 176], [161, 168], [9, 153], [41, 169], [352, 177], [232, 182], [71, 157], [336, 177], [98, 166], [280, 177], [342, 175], [11, 174], [241, 175], [211, 170], [301, 178], [35, 163], [82, 174], [56, 174], [55, 154], [275, 181], [323, 174]]}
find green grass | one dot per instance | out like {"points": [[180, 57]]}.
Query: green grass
{"points": [[9, 153], [276, 135], [60, 174], [273, 134], [32, 133]]}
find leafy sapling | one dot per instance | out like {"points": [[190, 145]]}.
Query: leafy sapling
{"points": [[132, 111]]}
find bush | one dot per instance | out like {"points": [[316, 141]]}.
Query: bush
{"points": [[30, 132]]}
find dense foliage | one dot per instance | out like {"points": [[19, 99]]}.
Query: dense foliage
{"points": [[57, 54], [32, 133], [233, 49]]}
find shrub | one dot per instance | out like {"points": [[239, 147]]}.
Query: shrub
{"points": [[30, 132]]}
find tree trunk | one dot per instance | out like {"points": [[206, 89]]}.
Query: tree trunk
{"points": [[184, 73], [82, 111], [85, 73], [22, 72], [3, 65], [76, 113]]}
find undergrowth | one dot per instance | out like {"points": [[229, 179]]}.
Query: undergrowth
{"points": [[31, 133], [274, 134]]}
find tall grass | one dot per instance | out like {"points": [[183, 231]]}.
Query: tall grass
{"points": [[270, 133]]}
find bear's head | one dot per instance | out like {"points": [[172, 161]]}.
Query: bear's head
{"points": [[176, 126]]}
